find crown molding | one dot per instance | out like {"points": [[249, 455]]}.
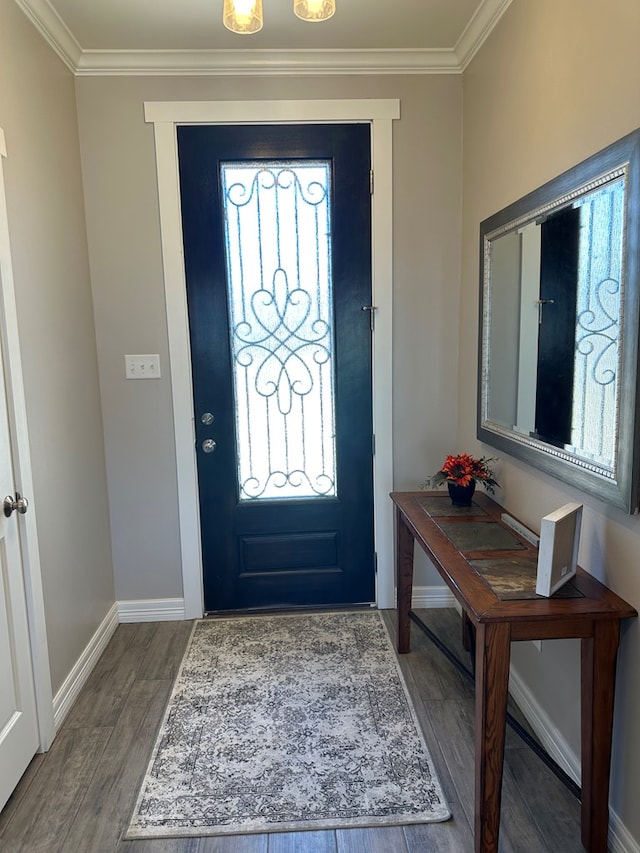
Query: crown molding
{"points": [[246, 63], [54, 30], [479, 29], [275, 63]]}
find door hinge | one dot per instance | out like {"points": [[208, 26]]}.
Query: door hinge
{"points": [[375, 562], [373, 445], [371, 181], [372, 315]]}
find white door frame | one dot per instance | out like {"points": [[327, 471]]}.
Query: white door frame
{"points": [[23, 478], [165, 116]]}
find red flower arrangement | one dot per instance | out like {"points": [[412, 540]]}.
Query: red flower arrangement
{"points": [[462, 470]]}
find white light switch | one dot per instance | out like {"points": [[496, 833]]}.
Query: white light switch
{"points": [[142, 366]]}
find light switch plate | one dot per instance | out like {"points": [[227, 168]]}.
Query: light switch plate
{"points": [[142, 366]]}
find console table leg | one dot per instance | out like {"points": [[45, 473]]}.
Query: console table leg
{"points": [[598, 687], [404, 568], [493, 649], [468, 633]]}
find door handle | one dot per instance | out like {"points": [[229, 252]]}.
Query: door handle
{"points": [[17, 504]]}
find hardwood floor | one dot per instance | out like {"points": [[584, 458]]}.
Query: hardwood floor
{"points": [[78, 797]]}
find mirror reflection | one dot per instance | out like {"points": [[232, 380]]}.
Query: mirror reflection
{"points": [[559, 326], [554, 347]]}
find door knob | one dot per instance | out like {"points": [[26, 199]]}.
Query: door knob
{"points": [[17, 504], [208, 445]]}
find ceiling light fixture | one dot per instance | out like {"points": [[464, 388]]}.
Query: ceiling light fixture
{"points": [[314, 10], [245, 16], [242, 16]]}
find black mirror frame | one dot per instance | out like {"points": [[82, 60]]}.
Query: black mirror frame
{"points": [[621, 490]]}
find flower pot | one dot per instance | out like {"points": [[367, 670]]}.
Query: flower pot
{"points": [[461, 495]]}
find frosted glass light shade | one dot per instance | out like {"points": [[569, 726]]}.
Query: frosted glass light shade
{"points": [[314, 10], [242, 16]]}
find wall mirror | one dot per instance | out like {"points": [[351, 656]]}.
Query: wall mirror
{"points": [[559, 296]]}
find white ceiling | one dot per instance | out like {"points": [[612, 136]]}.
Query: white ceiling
{"points": [[187, 36]]}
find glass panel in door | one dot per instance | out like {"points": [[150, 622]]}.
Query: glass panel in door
{"points": [[278, 249]]}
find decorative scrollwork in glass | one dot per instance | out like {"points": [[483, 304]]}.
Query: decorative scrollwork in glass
{"points": [[598, 333], [277, 229], [598, 323]]}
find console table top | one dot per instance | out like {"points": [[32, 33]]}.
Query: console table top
{"points": [[460, 539]]}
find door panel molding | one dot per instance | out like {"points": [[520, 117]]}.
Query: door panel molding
{"points": [[21, 458], [165, 116]]}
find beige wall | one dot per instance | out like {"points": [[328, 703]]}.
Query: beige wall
{"points": [[49, 252], [126, 271], [552, 85]]}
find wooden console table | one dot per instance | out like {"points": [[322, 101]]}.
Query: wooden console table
{"points": [[480, 558]]}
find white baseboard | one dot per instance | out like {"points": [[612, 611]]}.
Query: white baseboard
{"points": [[431, 596], [151, 610], [545, 730], [620, 839], [75, 681], [425, 597]]}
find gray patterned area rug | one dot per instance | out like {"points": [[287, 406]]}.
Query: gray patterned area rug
{"points": [[288, 722]]}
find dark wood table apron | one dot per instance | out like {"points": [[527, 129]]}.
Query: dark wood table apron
{"points": [[593, 615]]}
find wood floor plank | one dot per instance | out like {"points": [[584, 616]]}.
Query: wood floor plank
{"points": [[435, 747], [128, 635], [106, 690], [428, 667], [160, 845], [220, 844], [453, 725], [446, 625], [235, 844], [113, 789], [145, 632], [40, 822], [433, 673], [553, 807], [452, 836], [166, 650], [20, 792], [518, 832], [303, 842], [377, 840]]}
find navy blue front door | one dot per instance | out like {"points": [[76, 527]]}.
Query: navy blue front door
{"points": [[277, 240]]}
